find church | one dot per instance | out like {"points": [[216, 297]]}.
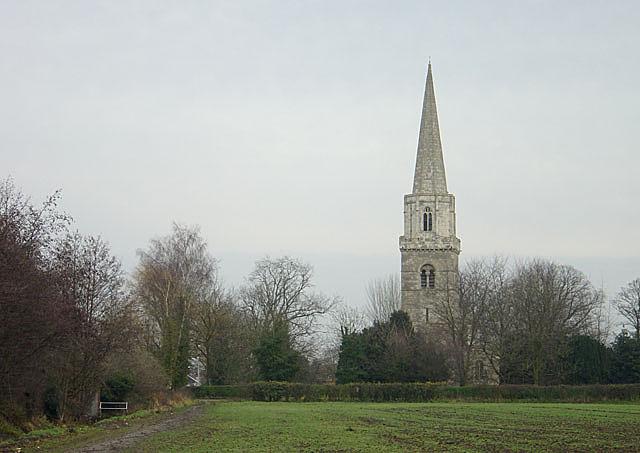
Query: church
{"points": [[429, 247]]}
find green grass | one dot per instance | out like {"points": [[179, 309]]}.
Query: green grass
{"points": [[395, 427], [377, 427]]}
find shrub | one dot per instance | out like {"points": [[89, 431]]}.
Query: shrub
{"points": [[117, 387], [144, 370], [221, 391], [269, 391], [50, 403], [170, 398]]}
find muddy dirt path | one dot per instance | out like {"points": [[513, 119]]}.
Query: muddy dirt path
{"points": [[128, 440]]}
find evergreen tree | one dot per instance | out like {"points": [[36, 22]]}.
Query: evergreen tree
{"points": [[352, 359], [625, 368], [587, 361], [389, 351], [276, 358]]}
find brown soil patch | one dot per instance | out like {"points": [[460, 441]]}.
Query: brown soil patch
{"points": [[128, 440]]}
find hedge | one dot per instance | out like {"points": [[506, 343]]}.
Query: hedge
{"points": [[419, 392], [221, 391]]}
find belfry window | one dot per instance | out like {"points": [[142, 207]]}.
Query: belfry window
{"points": [[427, 276], [427, 221]]}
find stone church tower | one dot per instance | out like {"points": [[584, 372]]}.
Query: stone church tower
{"points": [[429, 247]]}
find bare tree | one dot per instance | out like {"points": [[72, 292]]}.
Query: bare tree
{"points": [[383, 298], [91, 276], [552, 302], [220, 337], [35, 320], [173, 274], [60, 298], [345, 320], [600, 329], [280, 292], [627, 302], [91, 282], [29, 226], [500, 317], [464, 314], [348, 320]]}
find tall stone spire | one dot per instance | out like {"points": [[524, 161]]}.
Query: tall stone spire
{"points": [[429, 247], [429, 176]]}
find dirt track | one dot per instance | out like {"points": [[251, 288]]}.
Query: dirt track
{"points": [[128, 440]]}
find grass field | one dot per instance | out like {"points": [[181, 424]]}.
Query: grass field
{"points": [[382, 427], [347, 427]]}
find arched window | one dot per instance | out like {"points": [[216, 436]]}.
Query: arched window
{"points": [[427, 220], [427, 276]]}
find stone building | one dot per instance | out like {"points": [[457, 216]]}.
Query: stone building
{"points": [[429, 247], [429, 250]]}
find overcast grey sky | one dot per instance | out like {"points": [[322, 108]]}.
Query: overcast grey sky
{"points": [[290, 127]]}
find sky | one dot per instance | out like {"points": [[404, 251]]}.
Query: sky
{"points": [[291, 127]]}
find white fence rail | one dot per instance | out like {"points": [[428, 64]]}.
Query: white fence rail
{"points": [[114, 406]]}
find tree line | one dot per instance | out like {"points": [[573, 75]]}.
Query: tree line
{"points": [[73, 323], [63, 308], [536, 322]]}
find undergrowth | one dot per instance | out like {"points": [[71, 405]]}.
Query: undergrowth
{"points": [[17, 426]]}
